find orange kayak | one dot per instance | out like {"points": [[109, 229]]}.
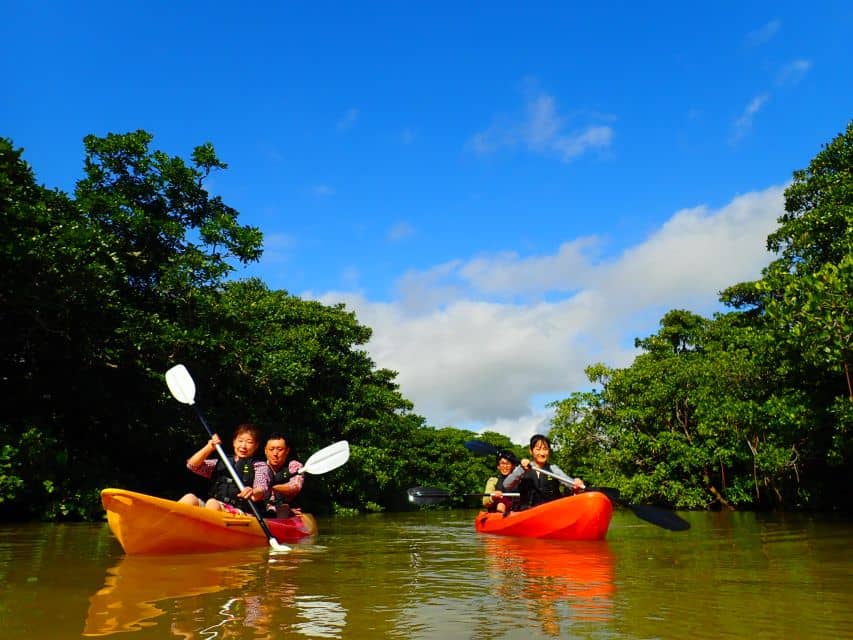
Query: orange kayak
{"points": [[148, 525], [585, 516]]}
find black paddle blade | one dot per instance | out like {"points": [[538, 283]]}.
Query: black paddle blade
{"points": [[661, 517], [483, 448], [427, 495]]}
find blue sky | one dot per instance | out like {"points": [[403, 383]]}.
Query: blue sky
{"points": [[504, 192]]}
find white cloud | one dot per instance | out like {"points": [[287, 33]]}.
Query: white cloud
{"points": [[793, 72], [520, 429], [543, 130], [744, 123], [763, 34], [468, 357], [508, 273], [323, 190]]}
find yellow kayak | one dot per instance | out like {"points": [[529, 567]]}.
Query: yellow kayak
{"points": [[145, 524]]}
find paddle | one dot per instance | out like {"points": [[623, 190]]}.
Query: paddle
{"points": [[326, 459], [183, 389], [661, 517], [434, 495], [657, 516]]}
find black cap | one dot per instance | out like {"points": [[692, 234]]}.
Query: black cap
{"points": [[509, 455]]}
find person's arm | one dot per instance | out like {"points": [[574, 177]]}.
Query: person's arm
{"points": [[290, 489], [491, 483], [263, 480], [199, 463], [573, 483], [514, 477]]}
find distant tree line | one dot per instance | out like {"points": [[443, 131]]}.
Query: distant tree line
{"points": [[103, 290]]}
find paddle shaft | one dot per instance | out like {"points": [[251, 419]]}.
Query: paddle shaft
{"points": [[561, 478], [224, 457]]}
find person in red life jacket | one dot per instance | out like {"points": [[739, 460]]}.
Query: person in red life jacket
{"points": [[535, 487], [224, 493], [496, 501], [286, 479]]}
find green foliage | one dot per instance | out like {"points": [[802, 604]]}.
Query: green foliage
{"points": [[105, 290], [101, 291], [744, 409]]}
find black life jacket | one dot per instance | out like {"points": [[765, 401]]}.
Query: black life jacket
{"points": [[223, 487], [500, 484], [279, 477], [511, 503], [536, 488]]}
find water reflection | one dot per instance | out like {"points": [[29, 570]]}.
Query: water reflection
{"points": [[212, 597], [429, 575], [564, 583], [129, 599]]}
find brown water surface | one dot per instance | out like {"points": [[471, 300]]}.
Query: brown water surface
{"points": [[429, 575]]}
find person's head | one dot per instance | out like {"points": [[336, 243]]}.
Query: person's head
{"points": [[540, 449], [246, 439], [277, 449], [505, 461]]}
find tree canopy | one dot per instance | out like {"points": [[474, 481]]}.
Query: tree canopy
{"points": [[752, 407], [104, 289]]}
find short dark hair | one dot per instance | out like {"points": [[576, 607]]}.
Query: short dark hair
{"points": [[277, 435], [539, 438], [248, 428]]}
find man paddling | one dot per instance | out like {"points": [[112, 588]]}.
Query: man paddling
{"points": [[286, 479]]}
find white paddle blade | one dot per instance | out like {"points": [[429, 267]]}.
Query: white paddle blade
{"points": [[275, 545], [181, 384], [327, 459]]}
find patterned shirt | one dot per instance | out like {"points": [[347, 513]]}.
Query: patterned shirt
{"points": [[263, 478], [294, 483]]}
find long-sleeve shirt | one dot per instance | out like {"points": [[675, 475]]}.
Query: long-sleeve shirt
{"points": [[293, 486], [514, 476], [263, 478], [491, 485]]}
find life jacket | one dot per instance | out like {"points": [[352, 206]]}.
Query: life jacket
{"points": [[500, 484], [279, 477], [511, 503], [536, 488], [223, 487]]}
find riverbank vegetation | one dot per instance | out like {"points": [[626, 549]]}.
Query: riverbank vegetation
{"points": [[104, 289]]}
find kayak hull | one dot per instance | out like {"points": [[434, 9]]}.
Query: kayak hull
{"points": [[146, 524], [585, 516]]}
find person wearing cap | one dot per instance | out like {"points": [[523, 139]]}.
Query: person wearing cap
{"points": [[495, 500], [535, 487]]}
